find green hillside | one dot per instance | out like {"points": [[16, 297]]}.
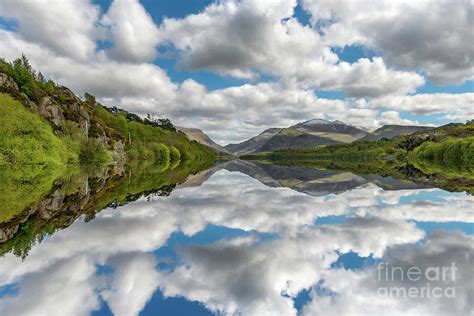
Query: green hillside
{"points": [[27, 138], [43, 123], [392, 131]]}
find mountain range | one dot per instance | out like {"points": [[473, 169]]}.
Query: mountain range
{"points": [[305, 134]]}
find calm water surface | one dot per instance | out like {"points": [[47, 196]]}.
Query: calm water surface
{"points": [[255, 239]]}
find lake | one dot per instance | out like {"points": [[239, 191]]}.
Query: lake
{"points": [[243, 238]]}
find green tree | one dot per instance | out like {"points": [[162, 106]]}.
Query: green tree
{"points": [[90, 99], [24, 75]]}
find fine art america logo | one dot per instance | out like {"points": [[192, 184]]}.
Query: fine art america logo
{"points": [[416, 282]]}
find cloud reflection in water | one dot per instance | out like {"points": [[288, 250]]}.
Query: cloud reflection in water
{"points": [[267, 250]]}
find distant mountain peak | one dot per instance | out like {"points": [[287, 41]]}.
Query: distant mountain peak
{"points": [[315, 122], [271, 130], [321, 122]]}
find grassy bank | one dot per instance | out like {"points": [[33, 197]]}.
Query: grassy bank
{"points": [[28, 139]]}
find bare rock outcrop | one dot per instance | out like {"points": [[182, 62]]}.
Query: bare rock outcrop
{"points": [[6, 82]]}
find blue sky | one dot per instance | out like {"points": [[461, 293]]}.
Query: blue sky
{"points": [[158, 10], [234, 68]]}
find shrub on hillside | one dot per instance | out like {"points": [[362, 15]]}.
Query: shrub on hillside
{"points": [[92, 152], [162, 152], [175, 155]]}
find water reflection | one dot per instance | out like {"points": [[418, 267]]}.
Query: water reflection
{"points": [[251, 239]]}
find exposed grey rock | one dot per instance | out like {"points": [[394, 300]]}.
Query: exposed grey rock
{"points": [[119, 154], [68, 94], [83, 113], [7, 233], [42, 105], [24, 96], [56, 200], [120, 157], [55, 115], [7, 82]]}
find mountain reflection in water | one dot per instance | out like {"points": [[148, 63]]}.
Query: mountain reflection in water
{"points": [[241, 238]]}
